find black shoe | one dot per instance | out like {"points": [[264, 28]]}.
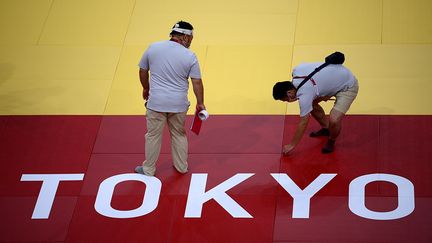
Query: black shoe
{"points": [[139, 170], [323, 132], [328, 147]]}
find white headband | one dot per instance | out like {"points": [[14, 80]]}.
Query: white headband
{"points": [[183, 31]]}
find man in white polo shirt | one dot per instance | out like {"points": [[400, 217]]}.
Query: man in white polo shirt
{"points": [[333, 80], [170, 64]]}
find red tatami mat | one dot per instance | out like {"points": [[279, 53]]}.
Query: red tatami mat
{"points": [[235, 166], [405, 150], [219, 134], [219, 167], [332, 221], [45, 144], [17, 225]]}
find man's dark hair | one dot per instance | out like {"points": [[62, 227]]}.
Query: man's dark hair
{"points": [[181, 25], [280, 89]]}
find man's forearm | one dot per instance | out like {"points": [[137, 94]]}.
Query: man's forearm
{"points": [[198, 89], [144, 78], [301, 128]]}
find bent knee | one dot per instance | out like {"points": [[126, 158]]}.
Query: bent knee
{"points": [[335, 116]]}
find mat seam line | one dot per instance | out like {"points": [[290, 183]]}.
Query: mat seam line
{"points": [[45, 22], [118, 60]]}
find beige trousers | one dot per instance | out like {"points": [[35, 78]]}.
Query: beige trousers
{"points": [[344, 99], [153, 140]]}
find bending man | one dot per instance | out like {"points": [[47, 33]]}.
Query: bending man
{"points": [[333, 80]]}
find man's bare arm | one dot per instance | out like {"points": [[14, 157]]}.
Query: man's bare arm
{"points": [[144, 78], [198, 89], [301, 128]]}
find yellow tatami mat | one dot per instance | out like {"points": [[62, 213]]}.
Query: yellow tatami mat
{"points": [[407, 21], [339, 22], [216, 22], [126, 87], [223, 6], [84, 22], [21, 21], [57, 62], [235, 29], [53, 96], [56, 79], [87, 52], [244, 79]]}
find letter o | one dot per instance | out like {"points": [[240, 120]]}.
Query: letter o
{"points": [[356, 200], [106, 190]]}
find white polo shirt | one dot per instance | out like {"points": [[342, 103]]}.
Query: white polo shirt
{"points": [[328, 81], [170, 65]]}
